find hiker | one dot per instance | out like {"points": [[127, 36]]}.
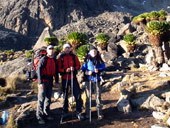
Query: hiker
{"points": [[67, 63], [92, 68], [47, 69]]}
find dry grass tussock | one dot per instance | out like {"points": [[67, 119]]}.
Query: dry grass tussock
{"points": [[16, 82], [12, 84], [11, 123]]}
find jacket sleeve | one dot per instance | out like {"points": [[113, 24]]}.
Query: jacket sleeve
{"points": [[77, 63], [39, 69]]}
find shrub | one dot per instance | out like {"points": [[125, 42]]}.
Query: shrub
{"points": [[162, 13], [82, 52], [129, 39], [51, 40], [59, 47], [102, 39], [16, 82], [9, 52], [76, 38], [157, 27], [154, 14], [29, 54]]}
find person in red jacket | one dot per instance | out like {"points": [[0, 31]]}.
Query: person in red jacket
{"points": [[68, 62], [47, 69]]}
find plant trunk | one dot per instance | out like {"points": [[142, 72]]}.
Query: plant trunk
{"points": [[155, 40], [130, 48], [103, 46], [167, 50], [159, 55], [162, 18]]}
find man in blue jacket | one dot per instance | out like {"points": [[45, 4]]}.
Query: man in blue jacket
{"points": [[92, 68]]}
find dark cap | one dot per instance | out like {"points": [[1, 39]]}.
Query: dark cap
{"points": [[92, 47]]}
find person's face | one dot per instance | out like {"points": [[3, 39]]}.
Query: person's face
{"points": [[93, 53], [50, 51], [67, 50]]}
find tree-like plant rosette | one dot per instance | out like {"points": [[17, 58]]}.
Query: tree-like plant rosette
{"points": [[51, 40], [82, 52], [129, 39], [102, 39], [76, 39]]}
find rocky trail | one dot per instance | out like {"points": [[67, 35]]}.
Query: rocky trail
{"points": [[112, 117], [138, 118]]}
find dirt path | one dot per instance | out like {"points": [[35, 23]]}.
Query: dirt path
{"points": [[112, 117]]}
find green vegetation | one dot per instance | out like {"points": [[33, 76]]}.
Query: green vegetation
{"points": [[82, 52], [162, 13], [157, 27], [102, 39], [154, 15], [129, 39], [59, 47], [29, 54], [51, 40], [9, 52], [76, 39]]}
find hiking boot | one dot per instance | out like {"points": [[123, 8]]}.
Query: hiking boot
{"points": [[41, 121], [80, 116]]}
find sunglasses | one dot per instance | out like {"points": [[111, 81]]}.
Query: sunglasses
{"points": [[51, 48]]}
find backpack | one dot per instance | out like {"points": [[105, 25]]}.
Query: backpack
{"points": [[37, 55]]}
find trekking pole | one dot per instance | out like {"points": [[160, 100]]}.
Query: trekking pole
{"points": [[65, 91], [90, 100], [97, 96], [72, 93]]}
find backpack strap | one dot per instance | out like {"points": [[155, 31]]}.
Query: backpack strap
{"points": [[62, 60]]}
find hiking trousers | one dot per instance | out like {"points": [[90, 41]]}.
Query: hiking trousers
{"points": [[97, 92], [44, 100], [76, 93]]}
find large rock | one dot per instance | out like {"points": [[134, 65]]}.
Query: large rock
{"points": [[40, 43], [147, 101], [12, 40], [15, 67]]}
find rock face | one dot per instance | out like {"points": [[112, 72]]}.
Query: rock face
{"points": [[30, 17], [15, 67]]}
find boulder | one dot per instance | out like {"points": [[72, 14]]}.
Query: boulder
{"points": [[158, 115], [147, 101], [40, 43], [123, 105], [14, 67]]}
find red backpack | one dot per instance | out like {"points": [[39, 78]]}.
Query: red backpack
{"points": [[37, 55]]}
